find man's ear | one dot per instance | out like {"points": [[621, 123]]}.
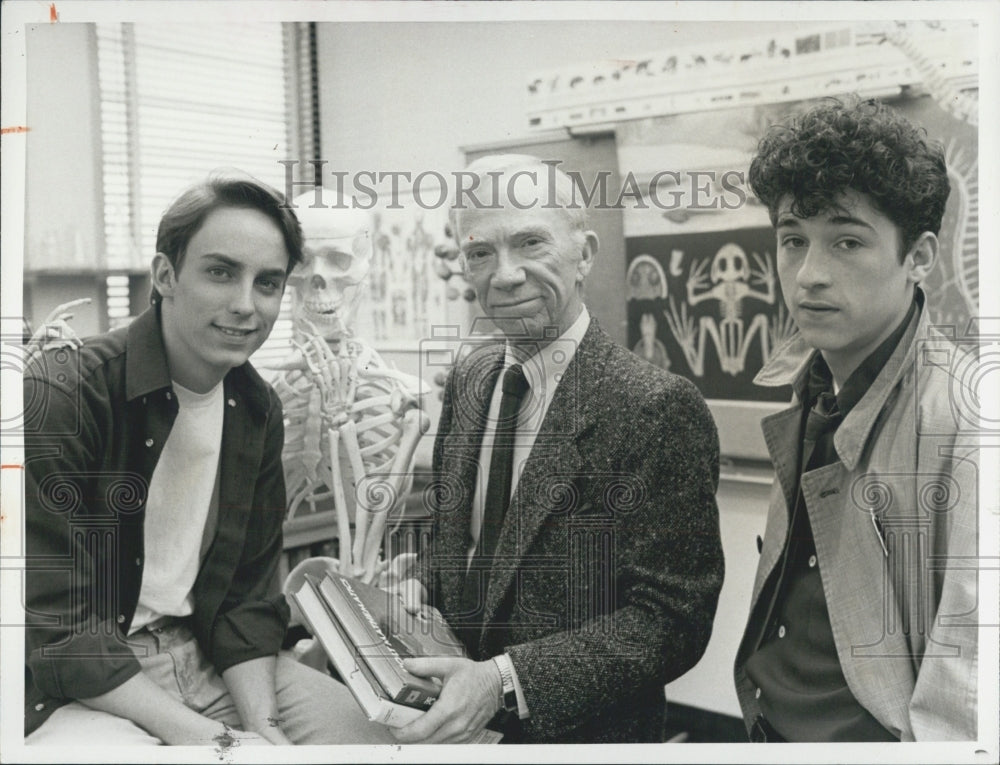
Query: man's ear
{"points": [[588, 252], [162, 274], [920, 260]]}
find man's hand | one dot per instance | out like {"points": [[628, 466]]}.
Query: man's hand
{"points": [[469, 699], [412, 593]]}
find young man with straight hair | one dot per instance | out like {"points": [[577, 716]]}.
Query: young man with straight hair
{"points": [[862, 624], [154, 500]]}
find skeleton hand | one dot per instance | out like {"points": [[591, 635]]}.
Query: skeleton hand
{"points": [[55, 331], [684, 330], [697, 280], [781, 327], [763, 274], [681, 326], [325, 369]]}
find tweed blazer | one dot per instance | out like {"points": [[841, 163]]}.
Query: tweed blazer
{"points": [[609, 563], [904, 621]]}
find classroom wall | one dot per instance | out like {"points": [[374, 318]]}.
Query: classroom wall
{"points": [[64, 229], [463, 85]]}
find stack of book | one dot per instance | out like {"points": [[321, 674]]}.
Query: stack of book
{"points": [[367, 633]]}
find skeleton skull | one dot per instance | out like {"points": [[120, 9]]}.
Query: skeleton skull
{"points": [[337, 257], [730, 264]]}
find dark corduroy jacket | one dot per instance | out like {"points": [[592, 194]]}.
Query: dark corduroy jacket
{"points": [[96, 421], [609, 563]]}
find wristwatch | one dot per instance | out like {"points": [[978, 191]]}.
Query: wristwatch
{"points": [[508, 696]]}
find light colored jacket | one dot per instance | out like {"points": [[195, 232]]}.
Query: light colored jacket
{"points": [[904, 622]]}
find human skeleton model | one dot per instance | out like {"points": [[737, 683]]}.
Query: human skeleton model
{"points": [[352, 422]]}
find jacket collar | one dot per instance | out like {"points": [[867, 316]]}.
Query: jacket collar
{"points": [[790, 366], [146, 369]]}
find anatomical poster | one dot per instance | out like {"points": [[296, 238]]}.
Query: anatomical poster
{"points": [[708, 306]]}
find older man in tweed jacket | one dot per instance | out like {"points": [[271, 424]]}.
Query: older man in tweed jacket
{"points": [[597, 582]]}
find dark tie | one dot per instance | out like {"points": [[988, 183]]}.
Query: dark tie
{"points": [[822, 417], [817, 441], [497, 488]]}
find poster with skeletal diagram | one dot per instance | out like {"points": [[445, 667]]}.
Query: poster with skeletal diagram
{"points": [[708, 306], [703, 297]]}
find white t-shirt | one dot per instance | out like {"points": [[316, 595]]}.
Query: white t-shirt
{"points": [[181, 492]]}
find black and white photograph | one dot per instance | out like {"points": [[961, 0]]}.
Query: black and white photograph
{"points": [[617, 380]]}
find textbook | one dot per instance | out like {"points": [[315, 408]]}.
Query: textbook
{"points": [[323, 625], [383, 633], [367, 633]]}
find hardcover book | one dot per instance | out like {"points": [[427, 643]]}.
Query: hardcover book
{"points": [[383, 633], [367, 633], [324, 626]]}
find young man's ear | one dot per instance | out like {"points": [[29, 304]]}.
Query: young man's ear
{"points": [[162, 274], [920, 260]]}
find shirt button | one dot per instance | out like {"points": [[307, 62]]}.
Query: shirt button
{"points": [[812, 561], [168, 395], [121, 618], [39, 707], [149, 442], [144, 399], [138, 561], [781, 631], [231, 402], [756, 694]]}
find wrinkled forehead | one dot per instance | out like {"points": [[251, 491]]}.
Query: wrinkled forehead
{"points": [[518, 192]]}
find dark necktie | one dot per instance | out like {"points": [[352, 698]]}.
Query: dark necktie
{"points": [[497, 488], [502, 462], [821, 421]]}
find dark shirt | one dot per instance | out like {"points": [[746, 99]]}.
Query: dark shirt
{"points": [[804, 695], [96, 421]]}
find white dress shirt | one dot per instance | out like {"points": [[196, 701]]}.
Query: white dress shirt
{"points": [[544, 370]]}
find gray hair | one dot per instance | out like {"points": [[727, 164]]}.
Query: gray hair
{"points": [[563, 192]]}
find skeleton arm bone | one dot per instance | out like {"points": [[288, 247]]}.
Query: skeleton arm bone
{"points": [[415, 424], [343, 520], [362, 516]]}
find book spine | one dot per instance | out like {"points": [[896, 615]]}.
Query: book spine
{"points": [[325, 628], [373, 648]]}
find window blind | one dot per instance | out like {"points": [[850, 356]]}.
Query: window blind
{"points": [[179, 101]]}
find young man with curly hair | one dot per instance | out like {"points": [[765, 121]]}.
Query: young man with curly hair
{"points": [[862, 624]]}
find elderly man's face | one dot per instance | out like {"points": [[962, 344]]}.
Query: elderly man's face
{"points": [[527, 267]]}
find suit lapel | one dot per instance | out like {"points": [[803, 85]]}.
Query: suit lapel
{"points": [[471, 393], [555, 459]]}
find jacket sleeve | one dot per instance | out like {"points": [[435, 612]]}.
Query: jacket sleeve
{"points": [[73, 643], [253, 617], [667, 573], [944, 703], [423, 571]]}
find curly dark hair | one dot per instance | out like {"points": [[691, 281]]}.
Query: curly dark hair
{"points": [[863, 146]]}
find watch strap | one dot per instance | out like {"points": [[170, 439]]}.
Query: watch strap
{"points": [[508, 694]]}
